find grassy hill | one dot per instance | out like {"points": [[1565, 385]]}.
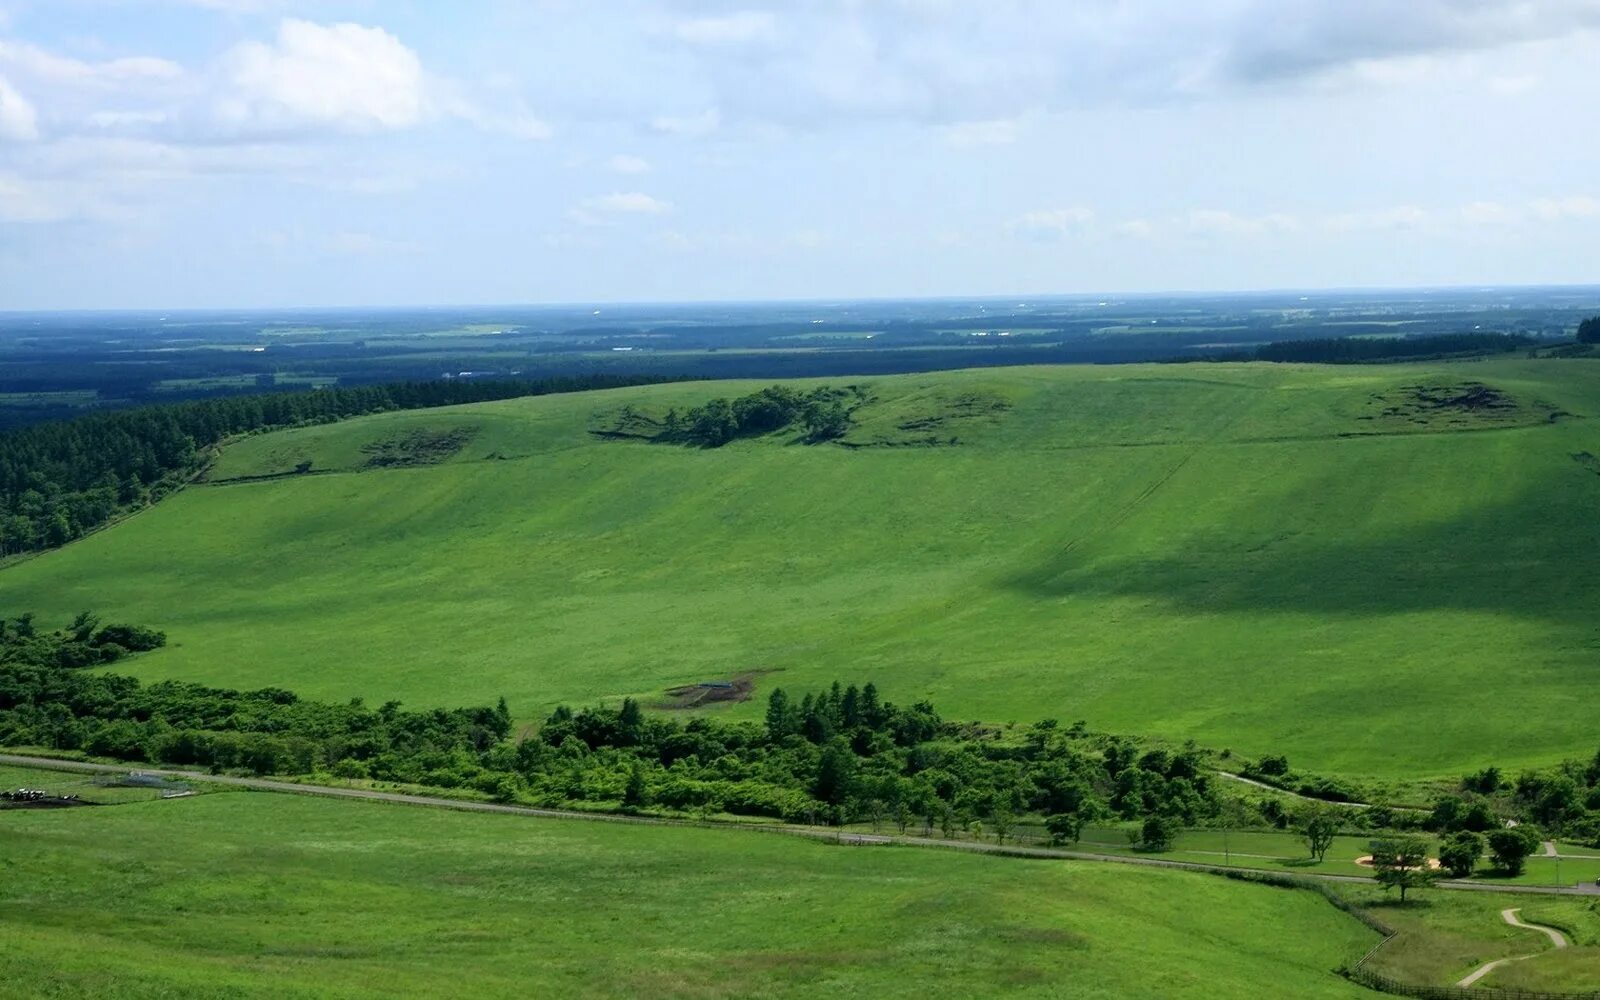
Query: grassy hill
{"points": [[1380, 571], [244, 895]]}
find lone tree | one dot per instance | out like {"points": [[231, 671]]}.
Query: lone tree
{"points": [[1002, 820], [636, 794], [1509, 848], [1157, 833], [1064, 828], [1318, 825], [1460, 853], [1402, 864], [1589, 331]]}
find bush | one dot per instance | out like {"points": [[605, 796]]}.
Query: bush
{"points": [[1157, 833], [138, 638], [1509, 848], [1460, 853], [1276, 765]]}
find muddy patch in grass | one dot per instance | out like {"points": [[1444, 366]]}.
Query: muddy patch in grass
{"points": [[738, 688], [1454, 406], [926, 420], [422, 447]]}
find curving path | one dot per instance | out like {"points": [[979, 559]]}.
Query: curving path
{"points": [[1253, 783], [1557, 939]]}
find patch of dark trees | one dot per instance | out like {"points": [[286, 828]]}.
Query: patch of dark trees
{"points": [[1367, 350], [60, 480], [823, 414], [1589, 331], [84, 643]]}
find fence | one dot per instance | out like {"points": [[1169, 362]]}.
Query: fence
{"points": [[1385, 984]]}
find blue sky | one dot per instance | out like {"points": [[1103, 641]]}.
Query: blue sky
{"points": [[169, 153]]}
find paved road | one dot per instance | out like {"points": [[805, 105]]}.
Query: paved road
{"points": [[814, 833], [1557, 939]]}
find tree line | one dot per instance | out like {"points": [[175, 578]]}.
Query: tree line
{"points": [[60, 480], [1360, 350], [839, 755]]}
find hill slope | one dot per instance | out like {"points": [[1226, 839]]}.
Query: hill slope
{"points": [[245, 895], [1380, 571]]}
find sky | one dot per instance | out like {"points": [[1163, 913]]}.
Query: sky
{"points": [[258, 153]]}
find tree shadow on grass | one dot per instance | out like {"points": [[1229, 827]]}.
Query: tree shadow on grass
{"points": [[1524, 557]]}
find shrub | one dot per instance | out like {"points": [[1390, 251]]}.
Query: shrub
{"points": [[138, 638], [1509, 848], [1460, 853], [1157, 833]]}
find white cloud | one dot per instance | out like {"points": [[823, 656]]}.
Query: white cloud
{"points": [[1279, 39], [1399, 217], [1489, 213], [1513, 86], [18, 120], [1574, 207], [623, 163], [692, 126], [995, 131], [22, 200], [344, 76], [739, 28], [945, 63], [126, 119], [629, 202], [354, 78], [1054, 223], [39, 64], [604, 209], [1219, 222], [368, 245]]}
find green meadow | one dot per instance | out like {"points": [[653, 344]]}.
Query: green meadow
{"points": [[1337, 563], [1444, 935], [255, 895]]}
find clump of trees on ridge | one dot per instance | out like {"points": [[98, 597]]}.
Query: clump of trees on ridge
{"points": [[823, 414]]}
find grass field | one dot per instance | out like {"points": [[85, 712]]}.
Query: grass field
{"points": [[259, 895], [1269, 558], [1445, 935]]}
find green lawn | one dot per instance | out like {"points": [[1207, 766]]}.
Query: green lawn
{"points": [[278, 896], [1258, 557]]}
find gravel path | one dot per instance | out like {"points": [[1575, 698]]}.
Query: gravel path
{"points": [[1557, 939]]}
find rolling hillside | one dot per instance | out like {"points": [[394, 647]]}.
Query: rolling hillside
{"points": [[1380, 571]]}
